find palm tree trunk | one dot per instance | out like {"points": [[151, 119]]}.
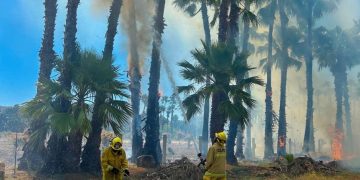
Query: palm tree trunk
{"points": [[205, 129], [349, 138], [240, 142], [135, 84], [309, 142], [282, 116], [223, 20], [246, 35], [112, 29], [75, 139], [339, 94], [205, 19], [56, 149], [74, 147], [248, 148], [230, 144], [269, 148], [281, 145], [33, 159], [91, 153], [152, 143], [55, 162], [217, 119], [72, 158], [337, 71], [234, 123]]}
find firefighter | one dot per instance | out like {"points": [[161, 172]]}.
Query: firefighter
{"points": [[216, 159], [113, 161]]}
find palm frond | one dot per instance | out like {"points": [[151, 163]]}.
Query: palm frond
{"points": [[192, 72], [186, 89], [294, 63], [38, 137], [192, 104], [248, 82], [234, 111], [61, 123], [116, 113], [215, 17], [250, 17]]}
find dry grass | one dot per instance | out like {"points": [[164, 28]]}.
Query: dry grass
{"points": [[339, 176]]}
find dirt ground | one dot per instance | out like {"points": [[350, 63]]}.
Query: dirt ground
{"points": [[241, 172], [176, 150]]}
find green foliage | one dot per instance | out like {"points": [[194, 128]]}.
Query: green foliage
{"points": [[336, 46], [91, 75], [289, 158], [296, 44], [220, 64], [266, 13]]}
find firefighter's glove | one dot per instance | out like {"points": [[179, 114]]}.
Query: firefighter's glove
{"points": [[126, 172], [115, 171]]}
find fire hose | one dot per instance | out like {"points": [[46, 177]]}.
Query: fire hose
{"points": [[202, 160]]}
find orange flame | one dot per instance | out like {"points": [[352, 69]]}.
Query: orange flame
{"points": [[337, 145]]}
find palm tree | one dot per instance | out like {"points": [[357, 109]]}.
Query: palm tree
{"points": [[218, 64], [307, 12], [91, 153], [248, 17], [234, 123], [33, 159], [189, 6], [91, 76], [56, 161], [135, 82], [281, 145], [152, 141], [233, 36], [73, 147], [267, 15], [334, 50]]}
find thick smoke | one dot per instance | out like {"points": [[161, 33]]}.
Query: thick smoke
{"points": [[136, 20]]}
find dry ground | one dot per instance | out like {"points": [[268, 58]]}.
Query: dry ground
{"points": [[246, 170]]}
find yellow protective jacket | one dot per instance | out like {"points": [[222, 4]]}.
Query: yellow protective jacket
{"points": [[216, 161], [115, 159]]}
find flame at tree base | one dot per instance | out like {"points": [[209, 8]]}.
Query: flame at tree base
{"points": [[337, 145]]}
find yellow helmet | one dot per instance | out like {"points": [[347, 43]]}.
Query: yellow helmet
{"points": [[221, 136], [116, 143]]}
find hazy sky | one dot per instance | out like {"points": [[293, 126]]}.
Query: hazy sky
{"points": [[21, 28]]}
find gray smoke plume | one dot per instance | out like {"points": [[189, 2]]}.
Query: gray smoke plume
{"points": [[173, 85], [136, 20]]}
